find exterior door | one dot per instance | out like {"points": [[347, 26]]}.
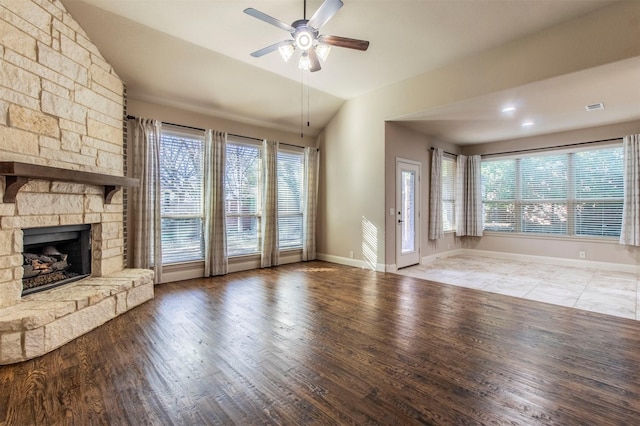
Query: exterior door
{"points": [[408, 213]]}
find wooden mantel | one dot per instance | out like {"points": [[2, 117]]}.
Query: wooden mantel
{"points": [[18, 174]]}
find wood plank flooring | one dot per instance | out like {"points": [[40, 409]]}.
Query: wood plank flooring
{"points": [[319, 343]]}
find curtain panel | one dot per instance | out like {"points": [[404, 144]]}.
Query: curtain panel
{"points": [[216, 258], [630, 232], [435, 196], [310, 203], [145, 199], [468, 196], [269, 220]]}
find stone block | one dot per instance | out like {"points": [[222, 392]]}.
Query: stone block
{"points": [[112, 217], [15, 39], [64, 108], [111, 162], [138, 295], [61, 64], [84, 41], [68, 160], [54, 8], [106, 79], [106, 119], [19, 141], [4, 112], [18, 236], [47, 142], [91, 218], [110, 265], [10, 262], [36, 16], [36, 186], [70, 141], [104, 132], [56, 89], [34, 343], [111, 252], [72, 126], [11, 348], [38, 70], [102, 145], [78, 323], [30, 221], [71, 219], [74, 51], [6, 244], [19, 80], [97, 102], [60, 26], [121, 303], [6, 275], [35, 204], [18, 98], [67, 188], [33, 121], [93, 204]]}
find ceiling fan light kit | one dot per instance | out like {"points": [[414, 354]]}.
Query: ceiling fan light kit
{"points": [[306, 36]]}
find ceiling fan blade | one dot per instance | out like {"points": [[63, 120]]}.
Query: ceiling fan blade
{"points": [[313, 59], [349, 43], [268, 19], [270, 49], [324, 13]]}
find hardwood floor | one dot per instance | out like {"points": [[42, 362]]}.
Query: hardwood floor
{"points": [[319, 343]]}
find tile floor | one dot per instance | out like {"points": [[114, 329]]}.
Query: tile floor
{"points": [[612, 293]]}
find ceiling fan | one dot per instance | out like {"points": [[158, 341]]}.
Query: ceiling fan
{"points": [[306, 36]]}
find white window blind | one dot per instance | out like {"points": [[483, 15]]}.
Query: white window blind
{"points": [[290, 187], [243, 198], [599, 192], [448, 193], [182, 190], [499, 195], [543, 203], [574, 193]]}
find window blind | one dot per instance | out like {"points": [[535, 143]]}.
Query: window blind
{"points": [[243, 196], [290, 193], [182, 189], [448, 193], [578, 192], [599, 192]]}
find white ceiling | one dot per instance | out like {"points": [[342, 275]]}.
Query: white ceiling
{"points": [[195, 54]]}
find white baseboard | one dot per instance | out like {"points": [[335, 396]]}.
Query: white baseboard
{"points": [[546, 260], [357, 263]]}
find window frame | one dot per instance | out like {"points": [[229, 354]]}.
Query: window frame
{"points": [[449, 201], [571, 201]]}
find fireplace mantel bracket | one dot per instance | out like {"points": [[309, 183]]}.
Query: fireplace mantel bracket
{"points": [[18, 174]]}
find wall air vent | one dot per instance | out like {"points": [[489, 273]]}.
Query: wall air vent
{"points": [[594, 107]]}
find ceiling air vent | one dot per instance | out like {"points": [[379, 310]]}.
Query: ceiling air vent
{"points": [[594, 107]]}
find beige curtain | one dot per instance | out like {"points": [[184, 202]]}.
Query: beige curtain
{"points": [[436, 230], [630, 233], [310, 203], [216, 259], [147, 247], [468, 196], [270, 255]]}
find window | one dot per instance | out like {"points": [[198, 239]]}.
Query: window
{"points": [[182, 190], [448, 193], [572, 193], [243, 197], [290, 192]]}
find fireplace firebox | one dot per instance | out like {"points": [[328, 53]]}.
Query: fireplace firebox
{"points": [[56, 255]]}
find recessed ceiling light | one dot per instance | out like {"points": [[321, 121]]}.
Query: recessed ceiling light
{"points": [[508, 109], [527, 123]]}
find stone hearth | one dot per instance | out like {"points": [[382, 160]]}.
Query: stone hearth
{"points": [[61, 106]]}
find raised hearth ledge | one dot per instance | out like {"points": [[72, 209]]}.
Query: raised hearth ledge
{"points": [[42, 322], [18, 174]]}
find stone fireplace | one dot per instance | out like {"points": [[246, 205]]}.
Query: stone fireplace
{"points": [[62, 165]]}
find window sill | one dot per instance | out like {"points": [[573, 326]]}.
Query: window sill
{"points": [[593, 239]]}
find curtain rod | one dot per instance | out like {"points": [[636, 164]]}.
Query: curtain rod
{"points": [[549, 148], [446, 152], [133, 117]]}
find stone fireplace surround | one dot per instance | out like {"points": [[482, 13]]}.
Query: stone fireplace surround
{"points": [[61, 107]]}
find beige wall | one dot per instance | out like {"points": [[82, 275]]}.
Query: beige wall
{"points": [[404, 143], [354, 143]]}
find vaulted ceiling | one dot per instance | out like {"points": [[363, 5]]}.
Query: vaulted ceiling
{"points": [[195, 54]]}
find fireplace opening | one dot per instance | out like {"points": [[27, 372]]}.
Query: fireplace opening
{"points": [[56, 255]]}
